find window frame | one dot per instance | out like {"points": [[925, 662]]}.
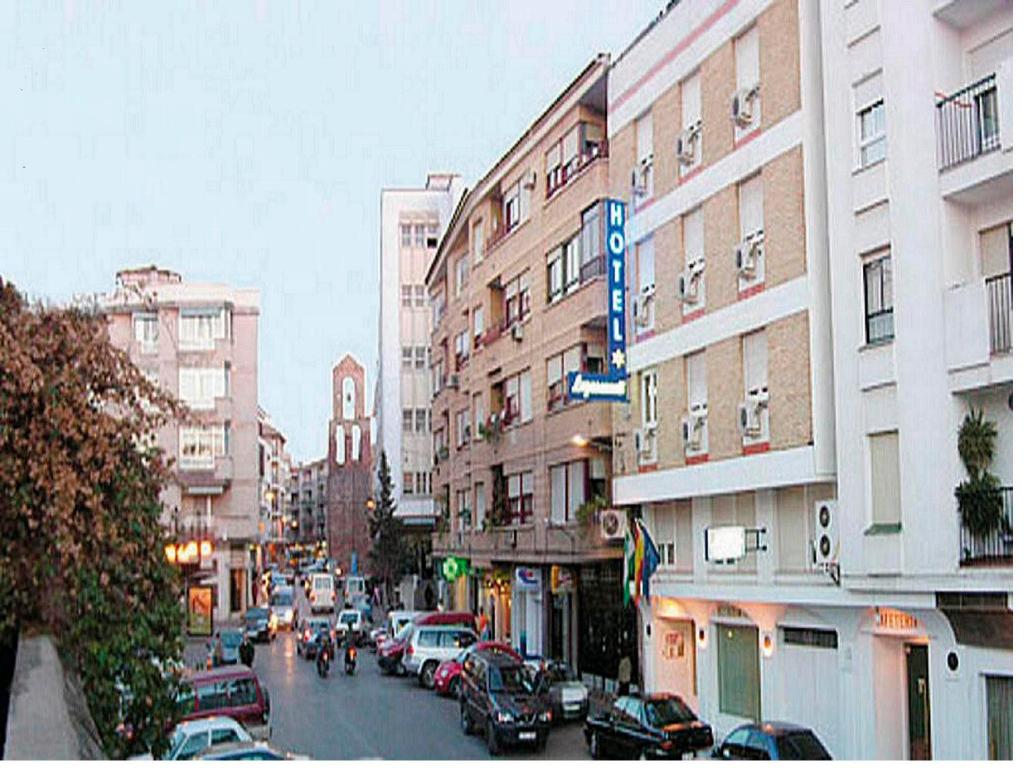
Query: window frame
{"points": [[880, 263], [866, 142]]}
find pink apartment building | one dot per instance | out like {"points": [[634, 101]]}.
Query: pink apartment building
{"points": [[199, 341]]}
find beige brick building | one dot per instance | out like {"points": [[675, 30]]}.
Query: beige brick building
{"points": [[519, 301]]}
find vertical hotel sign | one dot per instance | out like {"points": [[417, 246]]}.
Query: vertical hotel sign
{"points": [[610, 385]]}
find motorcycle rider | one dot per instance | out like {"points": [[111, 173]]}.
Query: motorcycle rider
{"points": [[323, 654], [350, 649]]}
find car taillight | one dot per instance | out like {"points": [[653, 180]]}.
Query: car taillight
{"points": [[408, 650], [666, 744], [306, 636]]}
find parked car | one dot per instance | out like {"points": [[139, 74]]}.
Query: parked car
{"points": [[307, 639], [771, 741], [282, 608], [347, 617], [233, 691], [565, 692], [377, 637], [230, 643], [191, 737], [257, 625], [498, 696], [398, 619], [429, 645], [257, 750], [448, 677], [658, 725], [391, 652], [321, 593]]}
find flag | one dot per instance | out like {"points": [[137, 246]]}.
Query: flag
{"points": [[649, 561], [638, 560], [628, 563]]}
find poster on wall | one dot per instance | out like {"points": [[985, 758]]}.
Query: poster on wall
{"points": [[527, 579], [200, 611], [672, 646]]}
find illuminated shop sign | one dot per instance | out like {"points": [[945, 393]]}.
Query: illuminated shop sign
{"points": [[610, 385]]}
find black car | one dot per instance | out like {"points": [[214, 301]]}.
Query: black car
{"points": [[257, 625], [658, 725], [771, 741], [498, 695]]}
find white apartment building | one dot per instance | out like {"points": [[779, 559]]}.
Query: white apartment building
{"points": [[918, 106], [819, 289], [411, 224]]}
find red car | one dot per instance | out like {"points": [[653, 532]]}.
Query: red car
{"points": [[448, 675], [234, 691], [391, 651]]}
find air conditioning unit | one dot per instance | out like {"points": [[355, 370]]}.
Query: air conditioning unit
{"points": [[826, 532], [747, 254], [642, 308], [644, 439], [636, 180], [516, 331], [613, 524], [530, 179], [692, 425], [750, 416], [453, 381], [743, 106], [686, 144], [689, 282]]}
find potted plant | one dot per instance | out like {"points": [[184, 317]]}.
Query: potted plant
{"points": [[586, 513], [978, 497], [466, 516]]}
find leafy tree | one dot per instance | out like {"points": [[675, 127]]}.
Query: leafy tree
{"points": [[81, 542], [388, 550], [978, 497]]}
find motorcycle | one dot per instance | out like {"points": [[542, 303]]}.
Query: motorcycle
{"points": [[323, 660], [350, 660]]}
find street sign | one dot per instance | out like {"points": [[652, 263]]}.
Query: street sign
{"points": [[727, 543]]}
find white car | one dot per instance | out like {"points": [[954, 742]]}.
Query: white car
{"points": [[192, 737], [429, 645], [321, 592], [282, 608]]}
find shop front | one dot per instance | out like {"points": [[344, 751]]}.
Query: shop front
{"points": [[607, 628], [528, 593]]}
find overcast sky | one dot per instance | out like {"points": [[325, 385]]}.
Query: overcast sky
{"points": [[247, 143]]}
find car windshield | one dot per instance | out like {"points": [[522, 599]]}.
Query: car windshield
{"points": [[281, 598], [231, 638], [801, 745], [510, 680], [405, 631], [349, 617], [177, 739], [662, 712], [559, 673]]}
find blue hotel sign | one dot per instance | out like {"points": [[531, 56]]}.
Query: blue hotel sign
{"points": [[610, 385]]}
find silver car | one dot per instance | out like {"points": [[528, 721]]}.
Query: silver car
{"points": [[429, 645]]}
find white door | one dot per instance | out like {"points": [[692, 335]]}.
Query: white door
{"points": [[810, 680]]}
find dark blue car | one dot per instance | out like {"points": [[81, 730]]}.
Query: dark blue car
{"points": [[771, 741]]}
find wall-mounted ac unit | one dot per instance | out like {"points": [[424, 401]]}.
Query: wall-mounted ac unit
{"points": [[750, 421], [692, 426], [613, 524], [636, 180], [453, 381], [530, 179], [747, 254], [689, 281], [516, 331], [686, 144], [826, 532], [743, 106]]}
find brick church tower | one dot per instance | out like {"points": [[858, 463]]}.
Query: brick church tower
{"points": [[350, 468]]}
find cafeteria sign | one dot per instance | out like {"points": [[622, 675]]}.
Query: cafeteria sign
{"points": [[200, 611], [610, 385]]}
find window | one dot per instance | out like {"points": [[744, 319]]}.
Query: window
{"points": [[408, 482], [478, 241], [559, 367], [755, 364], [407, 419], [462, 427], [520, 497], [422, 483], [810, 638], [871, 133], [751, 199], [357, 442], [420, 233], [461, 275], [480, 505], [223, 736], [478, 325], [591, 242], [692, 120], [437, 377], [697, 393], [199, 446], [643, 183], [199, 387], [999, 706], [478, 414], [420, 295], [406, 230], [517, 299], [242, 692], [198, 329], [406, 295], [461, 349], [407, 357], [518, 399], [878, 321], [667, 553], [564, 269], [649, 398], [348, 398], [147, 331], [884, 450], [693, 259], [421, 420], [739, 675], [515, 205], [420, 357], [748, 76], [339, 443], [568, 490], [556, 280], [437, 306], [645, 265]]}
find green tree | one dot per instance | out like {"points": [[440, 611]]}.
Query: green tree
{"points": [[388, 550], [81, 542], [978, 497]]}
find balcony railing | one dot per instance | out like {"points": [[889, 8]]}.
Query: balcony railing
{"points": [[566, 173], [593, 268], [968, 123], [995, 547], [1000, 312]]}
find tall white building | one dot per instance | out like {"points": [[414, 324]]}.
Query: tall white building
{"points": [[412, 222]]}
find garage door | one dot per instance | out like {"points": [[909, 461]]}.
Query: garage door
{"points": [[810, 679]]}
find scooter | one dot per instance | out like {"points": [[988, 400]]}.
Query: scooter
{"points": [[323, 661], [350, 660]]}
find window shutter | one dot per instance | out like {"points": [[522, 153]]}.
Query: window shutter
{"points": [[885, 477]]}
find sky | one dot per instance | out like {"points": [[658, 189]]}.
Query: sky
{"points": [[247, 143]]}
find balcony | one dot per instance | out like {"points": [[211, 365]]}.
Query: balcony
{"points": [[996, 547], [566, 173], [979, 333], [974, 158]]}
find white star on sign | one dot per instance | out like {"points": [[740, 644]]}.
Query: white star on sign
{"points": [[618, 358]]}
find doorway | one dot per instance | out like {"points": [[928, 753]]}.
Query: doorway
{"points": [[237, 589], [918, 702]]}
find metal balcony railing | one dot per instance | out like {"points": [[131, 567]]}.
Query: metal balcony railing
{"points": [[967, 123], [996, 547], [1000, 312]]}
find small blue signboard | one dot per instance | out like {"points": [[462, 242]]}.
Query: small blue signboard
{"points": [[610, 385]]}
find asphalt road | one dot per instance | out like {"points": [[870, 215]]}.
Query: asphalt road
{"points": [[369, 715]]}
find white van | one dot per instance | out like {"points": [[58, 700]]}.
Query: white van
{"points": [[321, 593], [355, 587]]}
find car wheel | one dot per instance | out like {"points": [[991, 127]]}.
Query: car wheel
{"points": [[492, 739], [540, 745], [467, 721], [454, 687], [427, 674], [595, 746]]}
